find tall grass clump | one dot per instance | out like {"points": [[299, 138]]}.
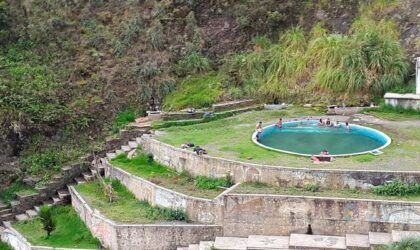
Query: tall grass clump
{"points": [[353, 68], [409, 243]]}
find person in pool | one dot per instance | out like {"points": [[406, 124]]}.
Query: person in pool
{"points": [[348, 126], [321, 122], [279, 123], [337, 124], [328, 122]]}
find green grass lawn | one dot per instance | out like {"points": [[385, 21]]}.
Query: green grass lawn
{"points": [[182, 182], [231, 138], [17, 187], [5, 246], [70, 231], [126, 208], [394, 113], [312, 190]]}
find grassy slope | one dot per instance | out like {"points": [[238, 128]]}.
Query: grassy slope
{"points": [[71, 232], [257, 188], [16, 188], [126, 209], [231, 138], [163, 176]]}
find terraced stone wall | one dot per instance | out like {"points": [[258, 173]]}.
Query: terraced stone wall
{"points": [[261, 214], [119, 236], [180, 159]]}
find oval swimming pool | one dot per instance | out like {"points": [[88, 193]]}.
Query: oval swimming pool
{"points": [[307, 138]]}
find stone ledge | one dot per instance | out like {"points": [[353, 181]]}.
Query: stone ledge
{"points": [[402, 96]]}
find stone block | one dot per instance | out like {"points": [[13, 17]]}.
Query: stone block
{"points": [[305, 241], [230, 243], [257, 242], [205, 245], [357, 241], [193, 247], [379, 238]]}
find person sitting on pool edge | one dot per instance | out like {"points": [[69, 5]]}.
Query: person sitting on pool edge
{"points": [[279, 123], [337, 124], [259, 130], [324, 156]]}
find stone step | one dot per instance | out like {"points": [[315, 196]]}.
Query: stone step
{"points": [[182, 248], [125, 148], [57, 200], [357, 241], [7, 217], [94, 172], [3, 206], [7, 223], [138, 140], [88, 176], [399, 235], [260, 242], [63, 194], [5, 211], [22, 217], [230, 243], [111, 156], [205, 245], [48, 203], [193, 247], [2, 229], [377, 239], [133, 144], [37, 208], [119, 152], [31, 213], [306, 241], [80, 180]]}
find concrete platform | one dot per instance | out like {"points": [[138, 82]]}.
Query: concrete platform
{"points": [[305, 241], [193, 247], [257, 242], [205, 245], [379, 238], [399, 235], [230, 243], [357, 241]]}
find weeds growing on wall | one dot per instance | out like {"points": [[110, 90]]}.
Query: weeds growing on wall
{"points": [[397, 188]]}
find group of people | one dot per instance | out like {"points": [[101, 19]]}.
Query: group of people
{"points": [[197, 149], [328, 123]]}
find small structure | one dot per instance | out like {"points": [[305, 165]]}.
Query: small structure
{"points": [[406, 100]]}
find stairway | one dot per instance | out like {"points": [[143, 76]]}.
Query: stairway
{"points": [[128, 149], [302, 241]]}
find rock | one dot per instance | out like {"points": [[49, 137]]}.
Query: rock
{"points": [[308, 105]]}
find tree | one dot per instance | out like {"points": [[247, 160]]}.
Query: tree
{"points": [[47, 219]]}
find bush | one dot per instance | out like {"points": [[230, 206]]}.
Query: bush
{"points": [[311, 188], [397, 188], [122, 119], [206, 183], [193, 63], [405, 244], [155, 36], [45, 213], [155, 213], [44, 163]]}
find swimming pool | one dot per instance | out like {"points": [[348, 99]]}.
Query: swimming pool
{"points": [[307, 138]]}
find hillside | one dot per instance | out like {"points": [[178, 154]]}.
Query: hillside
{"points": [[68, 68]]}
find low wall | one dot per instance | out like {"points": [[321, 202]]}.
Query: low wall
{"points": [[408, 101], [181, 159], [198, 209], [282, 215], [219, 107], [134, 236], [18, 242]]}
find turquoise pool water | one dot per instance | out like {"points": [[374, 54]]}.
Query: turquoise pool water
{"points": [[307, 138]]}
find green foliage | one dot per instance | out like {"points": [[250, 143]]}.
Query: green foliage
{"points": [[5, 246], [195, 92], [155, 37], [123, 118], [311, 188], [394, 113], [10, 192], [155, 213], [351, 68], [44, 163], [205, 182], [48, 222], [193, 63], [130, 34], [397, 188], [70, 230], [243, 21], [404, 244]]}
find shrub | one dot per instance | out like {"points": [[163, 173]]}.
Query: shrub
{"points": [[404, 244], [130, 34], [45, 213], [311, 188], [155, 36], [5, 246], [122, 119], [155, 213], [44, 163], [206, 183], [194, 63], [397, 188]]}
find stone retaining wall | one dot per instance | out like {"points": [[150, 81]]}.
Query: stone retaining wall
{"points": [[198, 209], [134, 236], [18, 242], [180, 159], [247, 214]]}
